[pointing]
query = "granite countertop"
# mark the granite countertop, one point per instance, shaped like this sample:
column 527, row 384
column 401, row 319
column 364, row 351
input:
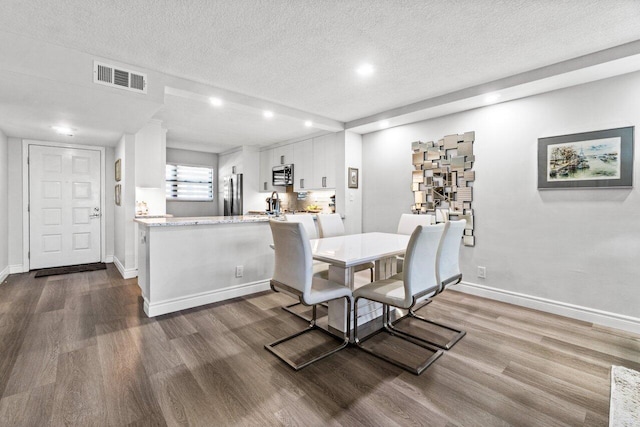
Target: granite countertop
column 202, row 220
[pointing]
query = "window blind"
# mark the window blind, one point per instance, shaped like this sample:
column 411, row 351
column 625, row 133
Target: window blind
column 189, row 183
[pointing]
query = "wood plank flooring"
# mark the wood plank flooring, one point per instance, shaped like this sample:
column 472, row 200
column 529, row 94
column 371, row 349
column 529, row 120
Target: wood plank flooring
column 78, row 350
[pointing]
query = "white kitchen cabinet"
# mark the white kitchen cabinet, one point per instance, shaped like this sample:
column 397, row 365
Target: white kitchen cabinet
column 303, row 165
column 266, row 166
column 324, row 162
column 283, row 155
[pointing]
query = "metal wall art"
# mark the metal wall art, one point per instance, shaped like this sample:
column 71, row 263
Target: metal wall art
column 443, row 180
column 599, row 159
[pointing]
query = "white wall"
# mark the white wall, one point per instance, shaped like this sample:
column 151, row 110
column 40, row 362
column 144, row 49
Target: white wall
column 194, row 158
column 4, row 210
column 560, row 247
column 352, row 196
column 15, row 205
column 125, row 231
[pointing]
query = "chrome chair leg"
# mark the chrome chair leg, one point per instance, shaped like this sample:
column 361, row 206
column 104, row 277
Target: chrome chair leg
column 411, row 314
column 312, row 326
column 424, row 304
column 416, row 370
column 289, row 309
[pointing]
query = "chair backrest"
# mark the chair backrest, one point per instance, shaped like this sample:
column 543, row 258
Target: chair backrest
column 409, row 222
column 420, row 273
column 307, row 221
column 449, row 261
column 330, row 225
column 294, row 260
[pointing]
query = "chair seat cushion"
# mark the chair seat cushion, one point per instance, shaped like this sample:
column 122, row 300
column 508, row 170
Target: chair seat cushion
column 326, row 290
column 388, row 291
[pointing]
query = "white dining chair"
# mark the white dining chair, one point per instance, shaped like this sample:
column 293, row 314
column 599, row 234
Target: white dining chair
column 294, row 274
column 331, row 225
column 419, row 278
column 406, row 225
column 320, row 269
column 307, row 221
column 449, row 274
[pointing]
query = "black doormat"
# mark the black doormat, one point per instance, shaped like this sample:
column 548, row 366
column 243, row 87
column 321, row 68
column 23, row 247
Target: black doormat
column 71, row 269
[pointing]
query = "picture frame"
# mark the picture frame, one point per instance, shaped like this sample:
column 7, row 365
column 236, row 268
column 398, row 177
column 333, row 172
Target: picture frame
column 353, row 178
column 118, row 194
column 598, row 159
column 118, row 170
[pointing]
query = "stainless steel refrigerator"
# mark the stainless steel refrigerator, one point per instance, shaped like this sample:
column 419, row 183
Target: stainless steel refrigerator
column 233, row 194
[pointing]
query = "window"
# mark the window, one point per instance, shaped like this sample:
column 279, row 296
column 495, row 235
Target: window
column 192, row 183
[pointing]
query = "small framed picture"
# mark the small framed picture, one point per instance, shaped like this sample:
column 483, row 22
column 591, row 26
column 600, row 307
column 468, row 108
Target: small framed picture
column 353, row 178
column 118, row 170
column 118, row 194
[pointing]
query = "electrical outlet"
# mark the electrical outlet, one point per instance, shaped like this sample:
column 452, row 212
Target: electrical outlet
column 482, row 272
column 239, row 270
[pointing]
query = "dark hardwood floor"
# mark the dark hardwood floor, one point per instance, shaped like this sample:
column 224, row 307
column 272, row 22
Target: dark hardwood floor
column 78, row 350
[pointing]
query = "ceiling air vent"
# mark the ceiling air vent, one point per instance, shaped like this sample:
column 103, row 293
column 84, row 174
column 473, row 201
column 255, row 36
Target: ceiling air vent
column 109, row 75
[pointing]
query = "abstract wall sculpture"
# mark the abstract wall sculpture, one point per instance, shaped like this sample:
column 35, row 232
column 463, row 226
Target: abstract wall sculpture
column 443, row 180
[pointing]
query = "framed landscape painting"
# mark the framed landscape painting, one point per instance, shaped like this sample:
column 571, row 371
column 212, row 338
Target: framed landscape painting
column 599, row 159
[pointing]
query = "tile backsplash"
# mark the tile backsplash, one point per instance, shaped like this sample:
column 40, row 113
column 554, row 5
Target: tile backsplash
column 300, row 201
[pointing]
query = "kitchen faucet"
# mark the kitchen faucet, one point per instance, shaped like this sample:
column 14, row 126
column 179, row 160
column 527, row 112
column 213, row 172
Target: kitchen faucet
column 274, row 205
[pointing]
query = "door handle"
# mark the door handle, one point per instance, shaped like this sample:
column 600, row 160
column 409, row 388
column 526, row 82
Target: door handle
column 95, row 215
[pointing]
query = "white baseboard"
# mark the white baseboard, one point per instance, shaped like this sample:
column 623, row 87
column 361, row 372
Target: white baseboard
column 605, row 318
column 16, row 268
column 108, row 259
column 196, row 300
column 4, row 273
column 126, row 274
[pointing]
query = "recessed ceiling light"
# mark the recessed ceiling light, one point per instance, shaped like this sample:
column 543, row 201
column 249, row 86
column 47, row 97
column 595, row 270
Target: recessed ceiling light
column 384, row 124
column 216, row 102
column 268, row 114
column 308, row 123
column 492, row 97
column 63, row 130
column 365, row 70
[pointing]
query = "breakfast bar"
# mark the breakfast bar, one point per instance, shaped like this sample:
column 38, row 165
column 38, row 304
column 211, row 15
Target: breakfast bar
column 189, row 262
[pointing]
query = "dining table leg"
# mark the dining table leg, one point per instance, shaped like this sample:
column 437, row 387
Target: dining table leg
column 343, row 276
column 367, row 310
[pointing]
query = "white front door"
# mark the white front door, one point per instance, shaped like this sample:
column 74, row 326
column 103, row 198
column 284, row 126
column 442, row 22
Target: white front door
column 64, row 206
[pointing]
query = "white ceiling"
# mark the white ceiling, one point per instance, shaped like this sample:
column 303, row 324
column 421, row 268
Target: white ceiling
column 298, row 56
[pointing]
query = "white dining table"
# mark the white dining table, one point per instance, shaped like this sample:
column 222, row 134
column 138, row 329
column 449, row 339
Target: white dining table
column 343, row 253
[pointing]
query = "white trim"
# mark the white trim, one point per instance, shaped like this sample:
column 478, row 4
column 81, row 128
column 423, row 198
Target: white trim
column 126, row 274
column 4, row 273
column 16, row 268
column 25, row 194
column 108, row 259
column 613, row 320
column 208, row 297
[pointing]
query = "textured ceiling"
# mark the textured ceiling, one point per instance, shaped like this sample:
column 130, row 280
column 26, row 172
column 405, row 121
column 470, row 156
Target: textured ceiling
column 303, row 53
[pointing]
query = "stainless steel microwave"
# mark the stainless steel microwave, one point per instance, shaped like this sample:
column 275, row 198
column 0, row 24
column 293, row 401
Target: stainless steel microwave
column 282, row 175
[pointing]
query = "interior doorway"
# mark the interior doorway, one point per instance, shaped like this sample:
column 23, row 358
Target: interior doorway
column 64, row 222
